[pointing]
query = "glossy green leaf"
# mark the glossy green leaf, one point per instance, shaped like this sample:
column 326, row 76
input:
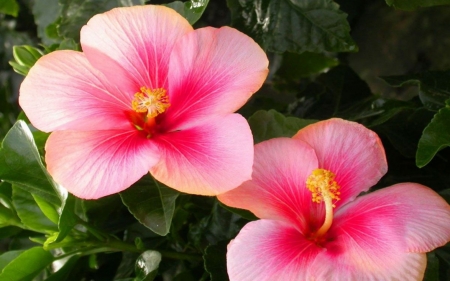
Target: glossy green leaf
column 29, row 212
column 414, row 4
column 295, row 66
column 435, row 137
column 27, row 265
column 8, row 215
column 67, row 218
column 66, row 271
column 434, row 86
column 76, row 13
column 151, row 203
column 146, row 266
column 8, row 257
column 20, row 163
column 9, row 7
column 294, row 25
column 26, row 55
column 271, row 124
column 191, row 10
column 215, row 261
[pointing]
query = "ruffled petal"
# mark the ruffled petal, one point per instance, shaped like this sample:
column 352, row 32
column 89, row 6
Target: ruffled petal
column 278, row 186
column 63, row 92
column 94, row 164
column 208, row 159
column 131, row 46
column 408, row 213
column 270, row 250
column 351, row 151
column 213, row 71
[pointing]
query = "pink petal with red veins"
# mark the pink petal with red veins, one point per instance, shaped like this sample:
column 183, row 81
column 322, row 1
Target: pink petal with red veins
column 63, row 92
column 349, row 150
column 132, row 46
column 278, row 186
column 94, row 164
column 409, row 214
column 267, row 250
column 213, row 71
column 358, row 264
column 209, row 159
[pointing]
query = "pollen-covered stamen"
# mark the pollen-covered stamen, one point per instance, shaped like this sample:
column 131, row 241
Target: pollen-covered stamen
column 324, row 188
column 152, row 101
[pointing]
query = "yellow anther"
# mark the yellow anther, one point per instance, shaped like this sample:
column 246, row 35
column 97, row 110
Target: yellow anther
column 321, row 183
column 324, row 188
column 152, row 101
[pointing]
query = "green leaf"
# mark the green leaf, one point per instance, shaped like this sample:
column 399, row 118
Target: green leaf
column 8, row 257
column 190, row 10
column 76, row 13
column 434, row 86
column 410, row 5
column 45, row 13
column 20, row 163
column 294, row 25
column 215, row 261
column 26, row 55
column 271, row 124
column 29, row 212
column 151, row 203
column 66, row 271
column 27, row 265
column 296, row 66
column 432, row 270
column 435, row 137
column 146, row 266
column 9, row 7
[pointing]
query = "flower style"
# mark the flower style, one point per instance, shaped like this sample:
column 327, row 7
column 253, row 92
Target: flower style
column 313, row 228
column 148, row 93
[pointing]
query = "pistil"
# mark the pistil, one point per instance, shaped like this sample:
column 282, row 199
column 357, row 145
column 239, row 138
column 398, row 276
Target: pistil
column 324, row 189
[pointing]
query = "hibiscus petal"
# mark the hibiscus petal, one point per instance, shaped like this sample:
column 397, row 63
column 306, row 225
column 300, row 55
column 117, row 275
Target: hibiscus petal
column 213, row 71
column 359, row 264
column 99, row 163
column 209, row 159
column 270, row 250
column 349, row 150
column 278, row 186
column 63, row 92
column 131, row 46
column 408, row 212
column 384, row 235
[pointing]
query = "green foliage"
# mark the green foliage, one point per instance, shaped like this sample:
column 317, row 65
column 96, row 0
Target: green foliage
column 434, row 86
column 294, row 26
column 191, row 10
column 9, row 7
column 152, row 203
column 435, row 137
column 414, row 4
column 26, row 265
column 147, row 265
column 25, row 57
column 271, row 124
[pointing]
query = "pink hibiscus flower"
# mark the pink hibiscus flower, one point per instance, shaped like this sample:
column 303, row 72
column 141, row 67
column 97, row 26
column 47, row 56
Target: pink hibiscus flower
column 313, row 228
column 148, row 93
